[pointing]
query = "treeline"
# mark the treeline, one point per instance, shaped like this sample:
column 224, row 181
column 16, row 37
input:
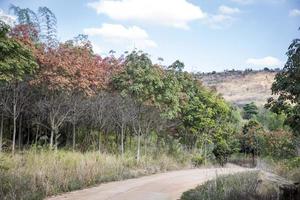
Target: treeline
column 63, row 95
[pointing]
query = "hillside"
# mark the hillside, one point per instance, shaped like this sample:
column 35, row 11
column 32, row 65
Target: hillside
column 241, row 87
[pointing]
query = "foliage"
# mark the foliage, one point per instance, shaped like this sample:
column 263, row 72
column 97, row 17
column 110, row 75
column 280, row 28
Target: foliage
column 279, row 144
column 250, row 110
column 230, row 187
column 73, row 68
column 140, row 79
column 197, row 160
column 251, row 138
column 286, row 85
column 270, row 120
column 222, row 151
column 16, row 61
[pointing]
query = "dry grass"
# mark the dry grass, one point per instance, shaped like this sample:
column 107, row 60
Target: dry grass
column 34, row 175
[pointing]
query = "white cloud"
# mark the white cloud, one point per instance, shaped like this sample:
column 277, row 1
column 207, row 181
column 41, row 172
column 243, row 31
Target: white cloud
column 219, row 21
column 268, row 61
column 294, row 13
column 8, row 19
column 174, row 13
column 228, row 10
column 223, row 18
column 248, row 2
column 131, row 36
column 244, row 2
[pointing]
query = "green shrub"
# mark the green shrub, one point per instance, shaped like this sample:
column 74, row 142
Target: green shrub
column 221, row 152
column 197, row 160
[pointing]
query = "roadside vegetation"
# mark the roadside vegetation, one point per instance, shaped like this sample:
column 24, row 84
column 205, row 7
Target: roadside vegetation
column 35, row 174
column 70, row 118
column 269, row 141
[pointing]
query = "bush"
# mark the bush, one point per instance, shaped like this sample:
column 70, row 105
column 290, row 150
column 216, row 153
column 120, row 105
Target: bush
column 279, row 144
column 229, row 187
column 221, row 152
column 197, row 160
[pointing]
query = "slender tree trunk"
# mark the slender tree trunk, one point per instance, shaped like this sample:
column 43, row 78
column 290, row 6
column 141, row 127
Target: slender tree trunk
column 37, row 133
column 20, row 133
column 14, row 127
column 1, row 131
column 74, row 136
column 28, row 136
column 122, row 139
column 99, row 143
column 51, row 138
column 139, row 146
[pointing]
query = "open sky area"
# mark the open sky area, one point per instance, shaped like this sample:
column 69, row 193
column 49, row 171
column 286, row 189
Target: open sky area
column 207, row 35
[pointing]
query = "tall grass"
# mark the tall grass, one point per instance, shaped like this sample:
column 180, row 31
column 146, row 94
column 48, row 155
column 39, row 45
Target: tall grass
column 36, row 174
column 242, row 186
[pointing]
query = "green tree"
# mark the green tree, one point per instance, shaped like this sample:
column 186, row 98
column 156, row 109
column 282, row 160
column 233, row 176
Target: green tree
column 142, row 81
column 251, row 138
column 16, row 62
column 250, row 110
column 286, row 85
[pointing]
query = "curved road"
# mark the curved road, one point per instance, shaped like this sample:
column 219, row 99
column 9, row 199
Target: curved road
column 165, row 186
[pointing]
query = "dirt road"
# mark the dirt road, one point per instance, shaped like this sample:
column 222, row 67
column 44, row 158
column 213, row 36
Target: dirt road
column 165, row 186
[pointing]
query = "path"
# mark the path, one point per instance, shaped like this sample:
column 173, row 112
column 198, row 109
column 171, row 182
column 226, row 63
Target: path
column 165, row 186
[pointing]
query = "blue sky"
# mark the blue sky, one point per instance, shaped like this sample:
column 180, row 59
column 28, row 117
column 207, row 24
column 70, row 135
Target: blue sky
column 206, row 35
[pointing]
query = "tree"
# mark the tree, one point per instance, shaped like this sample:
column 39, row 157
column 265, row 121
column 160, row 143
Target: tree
column 177, row 66
column 221, row 151
column 16, row 62
column 48, row 27
column 251, row 139
column 57, row 107
column 141, row 81
column 279, row 144
column 25, row 16
column 286, row 85
column 250, row 110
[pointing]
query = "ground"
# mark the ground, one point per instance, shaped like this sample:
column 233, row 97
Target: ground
column 165, row 186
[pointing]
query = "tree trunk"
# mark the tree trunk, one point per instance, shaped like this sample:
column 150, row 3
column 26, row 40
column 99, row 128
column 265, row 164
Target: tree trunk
column 74, row 136
column 14, row 127
column 122, row 139
column 20, row 133
column 28, row 136
column 1, row 131
column 138, row 147
column 51, row 138
column 56, row 139
column 99, row 143
column 37, row 133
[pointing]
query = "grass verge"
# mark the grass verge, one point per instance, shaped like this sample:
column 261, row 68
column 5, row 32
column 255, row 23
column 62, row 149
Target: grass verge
column 34, row 175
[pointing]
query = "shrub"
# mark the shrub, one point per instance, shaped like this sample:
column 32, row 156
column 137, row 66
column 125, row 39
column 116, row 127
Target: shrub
column 229, row 187
column 279, row 144
column 197, row 160
column 221, row 152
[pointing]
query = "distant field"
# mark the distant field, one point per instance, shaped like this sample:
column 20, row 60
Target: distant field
column 241, row 87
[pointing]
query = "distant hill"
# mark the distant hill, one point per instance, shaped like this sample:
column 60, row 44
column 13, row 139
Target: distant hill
column 241, row 87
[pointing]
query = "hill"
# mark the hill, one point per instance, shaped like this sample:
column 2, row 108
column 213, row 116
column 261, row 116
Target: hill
column 241, row 87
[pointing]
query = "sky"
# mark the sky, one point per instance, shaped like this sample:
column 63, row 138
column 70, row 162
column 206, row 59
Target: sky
column 207, row 35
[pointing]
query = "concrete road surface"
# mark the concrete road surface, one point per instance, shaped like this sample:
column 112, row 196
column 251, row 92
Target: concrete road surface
column 165, row 186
